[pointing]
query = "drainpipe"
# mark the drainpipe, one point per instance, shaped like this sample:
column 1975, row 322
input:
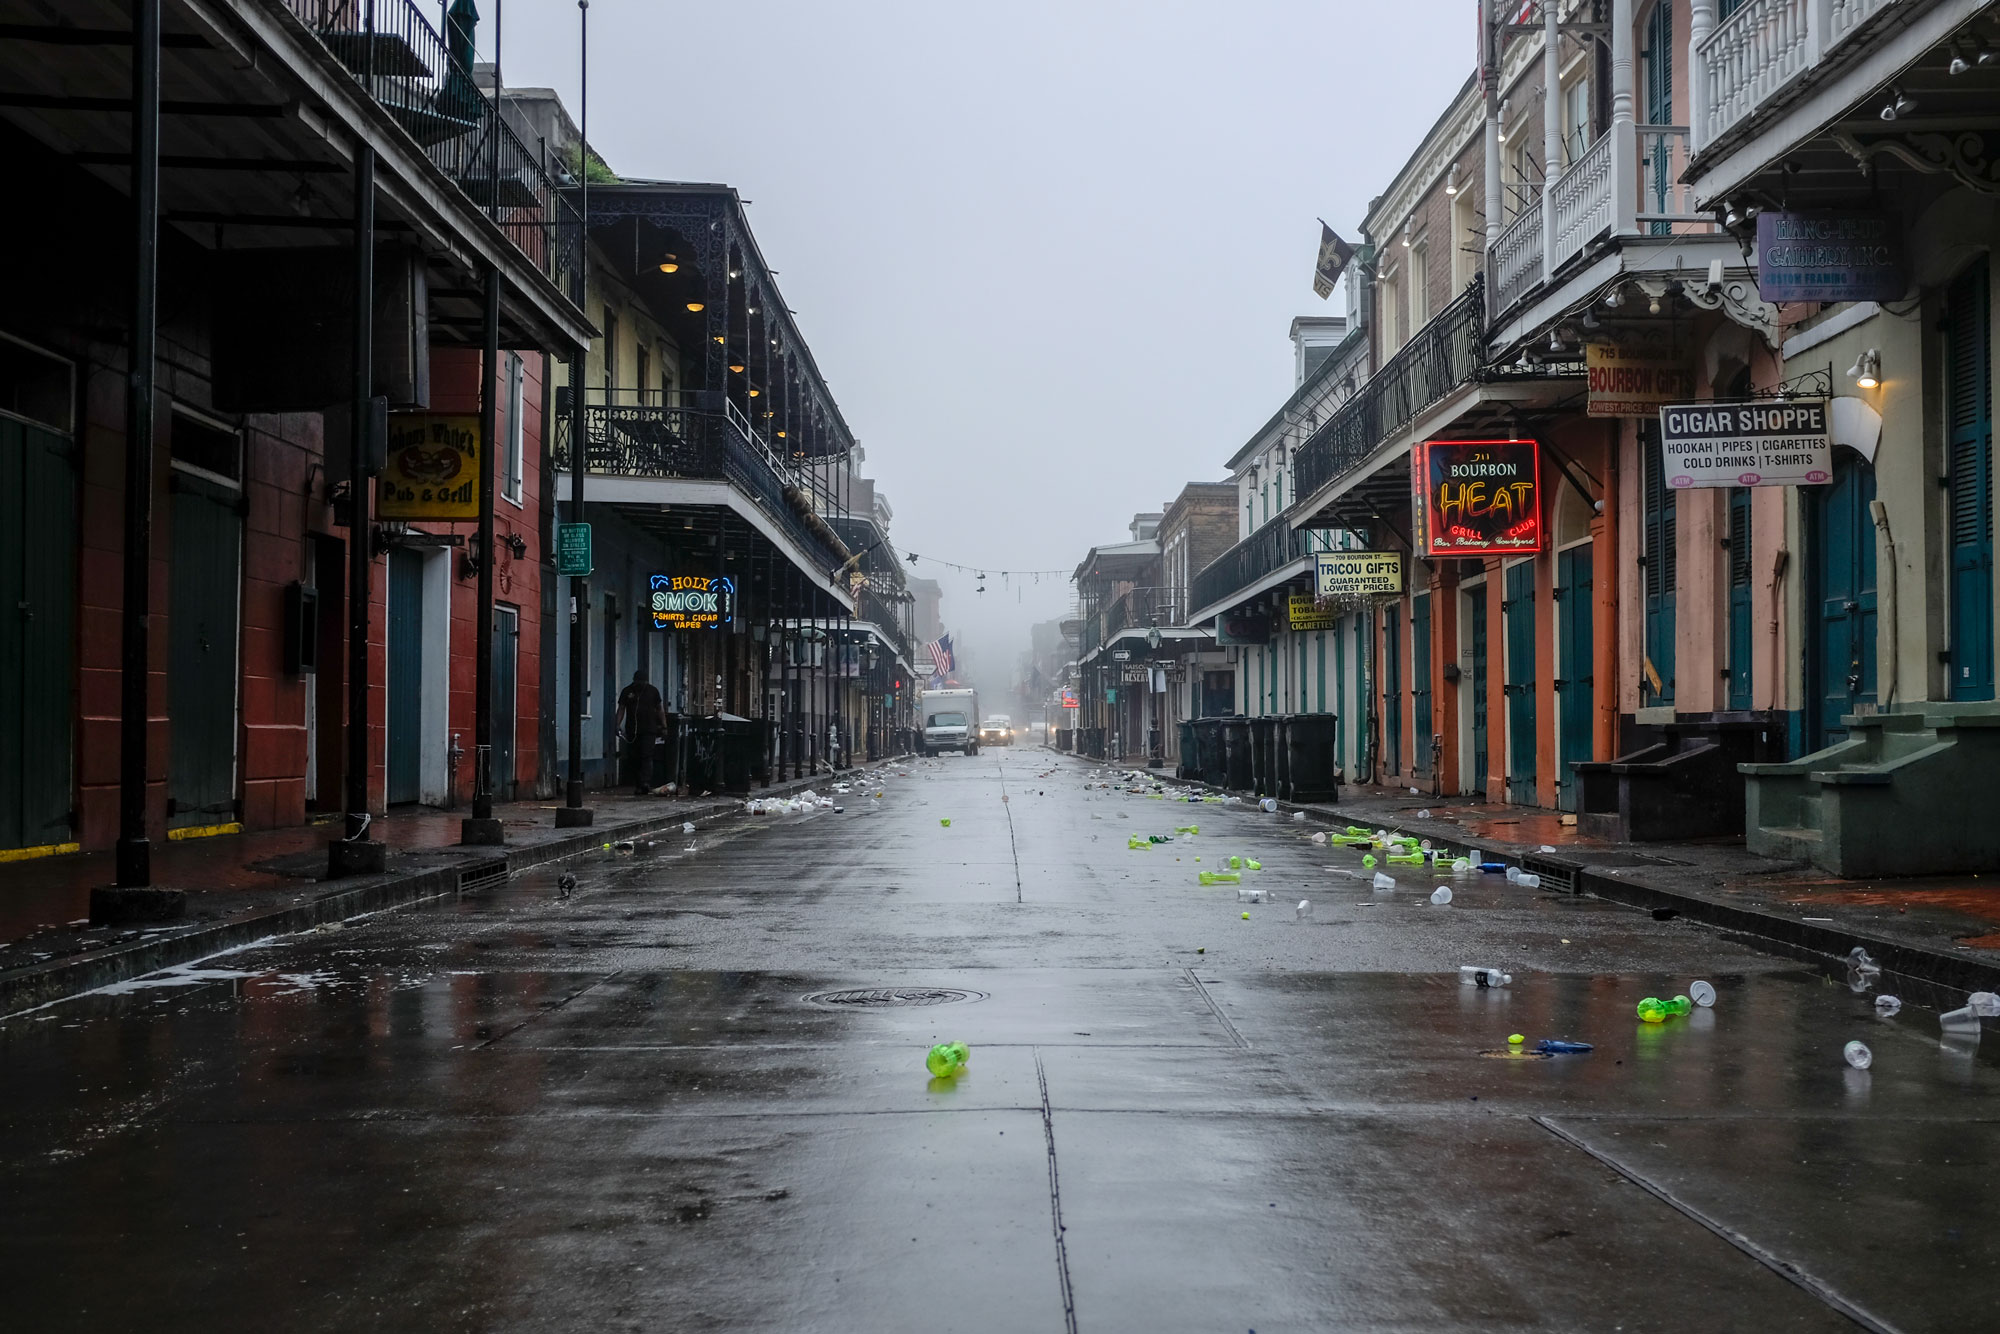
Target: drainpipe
column 1880, row 513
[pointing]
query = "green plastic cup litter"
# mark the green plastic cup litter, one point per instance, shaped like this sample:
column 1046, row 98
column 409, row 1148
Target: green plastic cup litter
column 1187, row 829
column 1653, row 1010
column 1368, row 860
column 1405, row 859
column 945, row 822
column 1138, row 844
column 1221, row 878
column 1235, row 863
column 947, row 1059
column 1251, row 863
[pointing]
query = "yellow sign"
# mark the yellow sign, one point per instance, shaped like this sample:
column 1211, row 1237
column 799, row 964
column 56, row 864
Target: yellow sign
column 433, row 468
column 1307, row 614
column 1358, row 573
column 1624, row 382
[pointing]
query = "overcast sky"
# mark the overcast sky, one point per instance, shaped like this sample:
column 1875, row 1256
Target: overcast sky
column 1046, row 251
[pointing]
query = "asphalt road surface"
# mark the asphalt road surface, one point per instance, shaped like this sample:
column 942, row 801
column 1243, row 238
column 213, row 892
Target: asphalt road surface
column 625, row 1110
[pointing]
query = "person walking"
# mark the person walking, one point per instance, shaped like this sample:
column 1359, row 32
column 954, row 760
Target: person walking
column 640, row 723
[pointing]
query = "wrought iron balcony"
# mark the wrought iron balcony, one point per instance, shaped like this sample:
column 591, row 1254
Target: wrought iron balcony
column 1763, row 50
column 413, row 73
column 683, row 443
column 880, row 612
column 1444, row 355
column 1266, row 551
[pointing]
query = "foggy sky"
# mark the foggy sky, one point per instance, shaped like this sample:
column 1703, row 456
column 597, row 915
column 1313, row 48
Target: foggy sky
column 1045, row 252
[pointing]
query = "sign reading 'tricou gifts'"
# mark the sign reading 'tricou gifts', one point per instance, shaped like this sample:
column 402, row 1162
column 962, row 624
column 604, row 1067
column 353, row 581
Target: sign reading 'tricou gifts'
column 1759, row 442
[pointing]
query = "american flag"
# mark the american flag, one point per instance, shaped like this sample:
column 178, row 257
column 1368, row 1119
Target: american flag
column 940, row 651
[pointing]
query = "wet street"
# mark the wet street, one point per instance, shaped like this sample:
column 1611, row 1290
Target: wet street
column 691, row 1095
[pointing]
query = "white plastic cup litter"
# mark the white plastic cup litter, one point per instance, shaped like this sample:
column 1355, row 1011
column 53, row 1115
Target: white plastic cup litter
column 1984, row 1004
column 1887, row 1006
column 1513, row 875
column 1858, row 1055
column 1424, row 814
column 1962, row 1021
column 1320, row 838
column 1384, row 884
column 1529, row 880
column 1701, row 993
column 1298, row 817
column 1441, row 895
column 1304, row 910
column 687, row 827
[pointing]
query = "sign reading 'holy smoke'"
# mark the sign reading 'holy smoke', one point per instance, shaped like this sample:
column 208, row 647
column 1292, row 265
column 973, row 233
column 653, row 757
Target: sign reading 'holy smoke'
column 1765, row 442
column 692, row 601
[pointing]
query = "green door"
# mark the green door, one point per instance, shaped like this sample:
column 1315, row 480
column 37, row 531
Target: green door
column 1518, row 606
column 37, row 633
column 1840, row 650
column 406, row 676
column 1340, row 699
column 203, row 603
column 1420, row 682
column 1478, row 638
column 1969, row 421
column 1739, row 670
column 506, row 659
column 1658, row 557
column 1392, row 688
column 1576, row 691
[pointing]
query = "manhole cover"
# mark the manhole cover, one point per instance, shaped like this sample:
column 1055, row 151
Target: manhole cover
column 875, row 998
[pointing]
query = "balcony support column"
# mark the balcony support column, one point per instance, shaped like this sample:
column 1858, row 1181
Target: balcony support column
column 1551, row 129
column 1624, row 138
column 482, row 829
column 1701, row 22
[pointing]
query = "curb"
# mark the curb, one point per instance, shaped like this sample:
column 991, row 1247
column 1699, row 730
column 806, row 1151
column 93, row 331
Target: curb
column 58, row 979
column 1949, row 972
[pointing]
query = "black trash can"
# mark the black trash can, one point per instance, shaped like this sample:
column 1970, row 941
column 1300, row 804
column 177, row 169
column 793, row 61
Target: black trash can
column 1236, row 754
column 1185, row 765
column 1309, row 757
column 1281, row 764
column 1211, row 763
column 1263, row 751
column 1065, row 739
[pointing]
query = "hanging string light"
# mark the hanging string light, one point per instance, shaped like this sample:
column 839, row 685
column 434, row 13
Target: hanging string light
column 912, row 557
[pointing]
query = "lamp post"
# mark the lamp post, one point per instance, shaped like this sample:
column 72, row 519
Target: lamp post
column 573, row 813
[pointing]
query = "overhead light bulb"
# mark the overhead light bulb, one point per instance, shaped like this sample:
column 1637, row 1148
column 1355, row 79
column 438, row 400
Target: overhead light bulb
column 1653, row 306
column 1451, row 180
column 718, row 338
column 736, row 367
column 755, row 392
column 781, row 435
column 1959, row 65
column 1590, row 320
column 697, row 306
column 1732, row 217
column 1555, row 340
column 1614, row 298
column 671, row 264
column 736, row 273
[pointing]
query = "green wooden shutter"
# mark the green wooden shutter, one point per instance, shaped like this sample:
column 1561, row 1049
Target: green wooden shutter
column 1659, row 553
column 1739, row 598
column 1969, row 427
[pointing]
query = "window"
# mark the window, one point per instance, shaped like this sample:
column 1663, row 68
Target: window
column 1390, row 302
column 1576, row 119
column 1420, row 282
column 610, row 355
column 511, row 459
column 1467, row 241
column 1522, row 176
column 642, row 375
column 207, row 446
column 666, row 377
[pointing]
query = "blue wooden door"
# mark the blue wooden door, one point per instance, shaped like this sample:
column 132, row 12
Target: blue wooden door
column 406, row 676
column 1969, row 422
column 1840, row 651
column 1576, row 690
column 1518, row 607
column 1659, row 561
column 1479, row 728
column 1740, row 667
column 1392, row 688
column 37, row 634
column 1421, row 723
column 202, row 604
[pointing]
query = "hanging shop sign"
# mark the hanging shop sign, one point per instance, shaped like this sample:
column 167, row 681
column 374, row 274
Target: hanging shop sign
column 1242, row 630
column 1357, row 573
column 1477, row 497
column 1829, row 257
column 1134, row 673
column 432, row 469
column 1068, row 698
column 1625, row 382
column 1760, row 442
column 692, row 601
column 1306, row 612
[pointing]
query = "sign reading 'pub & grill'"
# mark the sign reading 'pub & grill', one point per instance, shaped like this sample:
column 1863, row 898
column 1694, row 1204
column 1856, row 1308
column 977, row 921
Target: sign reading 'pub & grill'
column 432, row 470
column 1478, row 497
column 692, row 601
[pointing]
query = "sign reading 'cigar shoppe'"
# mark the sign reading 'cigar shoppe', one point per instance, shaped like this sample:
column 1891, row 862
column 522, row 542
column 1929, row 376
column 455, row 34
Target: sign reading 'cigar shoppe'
column 1477, row 497
column 1761, row 442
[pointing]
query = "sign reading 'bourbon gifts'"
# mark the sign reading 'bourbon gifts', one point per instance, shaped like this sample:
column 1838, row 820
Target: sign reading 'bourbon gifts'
column 1477, row 497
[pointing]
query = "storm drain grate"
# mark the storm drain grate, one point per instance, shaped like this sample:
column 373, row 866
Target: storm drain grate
column 876, row 998
column 486, row 875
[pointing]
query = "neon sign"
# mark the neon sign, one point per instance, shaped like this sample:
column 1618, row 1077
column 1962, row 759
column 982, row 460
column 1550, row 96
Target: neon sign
column 692, row 601
column 1477, row 497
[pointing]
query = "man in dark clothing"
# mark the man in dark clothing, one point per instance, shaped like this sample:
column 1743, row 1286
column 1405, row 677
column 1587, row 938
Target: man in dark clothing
column 639, row 721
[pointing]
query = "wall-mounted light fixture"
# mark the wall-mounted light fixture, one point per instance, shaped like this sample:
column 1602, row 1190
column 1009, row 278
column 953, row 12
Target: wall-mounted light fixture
column 1866, row 372
column 1451, row 180
column 1900, row 105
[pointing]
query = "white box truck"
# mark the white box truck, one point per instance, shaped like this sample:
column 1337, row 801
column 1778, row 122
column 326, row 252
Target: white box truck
column 951, row 720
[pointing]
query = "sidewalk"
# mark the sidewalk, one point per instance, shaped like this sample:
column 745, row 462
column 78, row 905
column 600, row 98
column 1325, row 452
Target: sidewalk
column 1938, row 930
column 243, row 887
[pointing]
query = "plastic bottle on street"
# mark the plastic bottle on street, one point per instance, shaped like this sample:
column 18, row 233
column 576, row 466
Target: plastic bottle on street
column 1470, row 975
column 1858, row 1055
column 1249, row 896
column 1887, row 1006
column 947, row 1059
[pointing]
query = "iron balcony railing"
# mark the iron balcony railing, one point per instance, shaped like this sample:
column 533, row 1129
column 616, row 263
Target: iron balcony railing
column 879, row 612
column 1269, row 549
column 1443, row 356
column 1090, row 635
column 425, row 83
column 691, row 444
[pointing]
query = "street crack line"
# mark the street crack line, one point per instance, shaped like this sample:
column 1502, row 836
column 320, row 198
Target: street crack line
column 501, row 1037
column 1055, row 1202
column 1783, row 1268
column 1201, row 989
column 1008, row 807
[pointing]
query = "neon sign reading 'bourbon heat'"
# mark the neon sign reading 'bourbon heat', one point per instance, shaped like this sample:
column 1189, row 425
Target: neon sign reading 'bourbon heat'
column 1477, row 497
